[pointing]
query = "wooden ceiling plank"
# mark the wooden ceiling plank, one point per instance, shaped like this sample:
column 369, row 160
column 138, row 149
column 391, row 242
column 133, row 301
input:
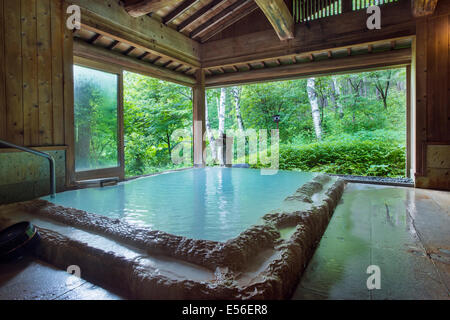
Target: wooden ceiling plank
column 197, row 15
column 128, row 51
column 113, row 45
column 95, row 38
column 218, row 18
column 243, row 12
column 143, row 7
column 279, row 17
column 179, row 10
column 142, row 56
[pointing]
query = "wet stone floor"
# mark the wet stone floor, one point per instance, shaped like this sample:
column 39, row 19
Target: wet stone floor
column 31, row 279
column 403, row 231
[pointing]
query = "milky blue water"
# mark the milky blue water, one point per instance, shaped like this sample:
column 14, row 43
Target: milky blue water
column 211, row 203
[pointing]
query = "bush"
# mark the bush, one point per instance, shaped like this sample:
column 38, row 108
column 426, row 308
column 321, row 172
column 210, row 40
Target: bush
column 350, row 156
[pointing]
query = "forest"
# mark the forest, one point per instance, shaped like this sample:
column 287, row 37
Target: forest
column 344, row 124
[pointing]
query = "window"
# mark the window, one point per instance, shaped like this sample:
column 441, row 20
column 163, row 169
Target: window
column 96, row 115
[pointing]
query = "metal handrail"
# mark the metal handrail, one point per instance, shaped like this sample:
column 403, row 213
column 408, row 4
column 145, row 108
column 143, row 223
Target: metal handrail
column 41, row 154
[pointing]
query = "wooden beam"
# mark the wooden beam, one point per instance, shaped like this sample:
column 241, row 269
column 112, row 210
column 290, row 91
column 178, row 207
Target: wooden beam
column 279, row 17
column 333, row 32
column 128, row 51
column 142, row 56
column 113, row 45
column 87, row 51
column 95, row 38
column 323, row 67
column 421, row 8
column 179, row 10
column 199, row 123
column 244, row 11
column 209, row 7
column 218, row 18
column 145, row 33
column 139, row 8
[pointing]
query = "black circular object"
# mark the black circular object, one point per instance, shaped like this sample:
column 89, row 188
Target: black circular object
column 17, row 239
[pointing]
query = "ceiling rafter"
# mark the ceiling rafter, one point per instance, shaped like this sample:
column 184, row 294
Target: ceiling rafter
column 221, row 16
column 137, row 8
column 179, row 10
column 243, row 12
column 197, row 15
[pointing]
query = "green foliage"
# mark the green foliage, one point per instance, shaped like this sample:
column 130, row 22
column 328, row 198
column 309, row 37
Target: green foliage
column 153, row 109
column 362, row 118
column 350, row 156
column 95, row 112
column 363, row 122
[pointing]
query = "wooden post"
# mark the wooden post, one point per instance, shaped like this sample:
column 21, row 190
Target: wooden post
column 69, row 118
column 199, row 124
column 228, row 151
column 408, row 121
column 346, row 6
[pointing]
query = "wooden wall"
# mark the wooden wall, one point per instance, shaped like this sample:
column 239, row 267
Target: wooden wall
column 33, row 43
column 433, row 99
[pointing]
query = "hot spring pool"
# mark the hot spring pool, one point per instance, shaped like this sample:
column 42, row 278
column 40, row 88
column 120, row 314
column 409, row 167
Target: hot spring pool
column 209, row 203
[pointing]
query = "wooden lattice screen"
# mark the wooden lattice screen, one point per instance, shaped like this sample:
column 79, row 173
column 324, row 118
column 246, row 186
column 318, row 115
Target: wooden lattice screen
column 306, row 10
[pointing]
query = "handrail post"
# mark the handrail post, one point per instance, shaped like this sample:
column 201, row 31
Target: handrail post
column 40, row 154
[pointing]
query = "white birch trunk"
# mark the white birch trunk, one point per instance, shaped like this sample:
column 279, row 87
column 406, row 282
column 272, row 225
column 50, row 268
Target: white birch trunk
column 311, row 84
column 336, row 93
column 212, row 141
column 221, row 114
column 236, row 91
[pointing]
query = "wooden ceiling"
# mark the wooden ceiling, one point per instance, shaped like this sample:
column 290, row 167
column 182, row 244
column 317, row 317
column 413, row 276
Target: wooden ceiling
column 377, row 54
column 256, row 69
column 203, row 19
column 119, row 47
column 197, row 19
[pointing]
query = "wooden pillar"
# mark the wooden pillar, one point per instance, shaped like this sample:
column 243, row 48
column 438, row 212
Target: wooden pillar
column 199, row 125
column 69, row 117
column 346, row 5
column 420, row 128
column 408, row 121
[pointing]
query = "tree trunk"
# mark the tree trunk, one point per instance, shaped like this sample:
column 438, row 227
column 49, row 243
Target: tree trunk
column 236, row 92
column 221, row 114
column 336, row 92
column 168, row 144
column 212, row 141
column 312, row 96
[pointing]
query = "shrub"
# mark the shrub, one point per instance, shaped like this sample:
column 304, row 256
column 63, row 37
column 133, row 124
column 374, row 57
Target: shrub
column 350, row 156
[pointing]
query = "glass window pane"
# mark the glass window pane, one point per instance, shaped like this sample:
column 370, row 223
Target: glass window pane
column 95, row 96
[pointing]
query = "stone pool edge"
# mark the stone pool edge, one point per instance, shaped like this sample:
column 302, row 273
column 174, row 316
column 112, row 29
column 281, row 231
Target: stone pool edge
column 276, row 281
